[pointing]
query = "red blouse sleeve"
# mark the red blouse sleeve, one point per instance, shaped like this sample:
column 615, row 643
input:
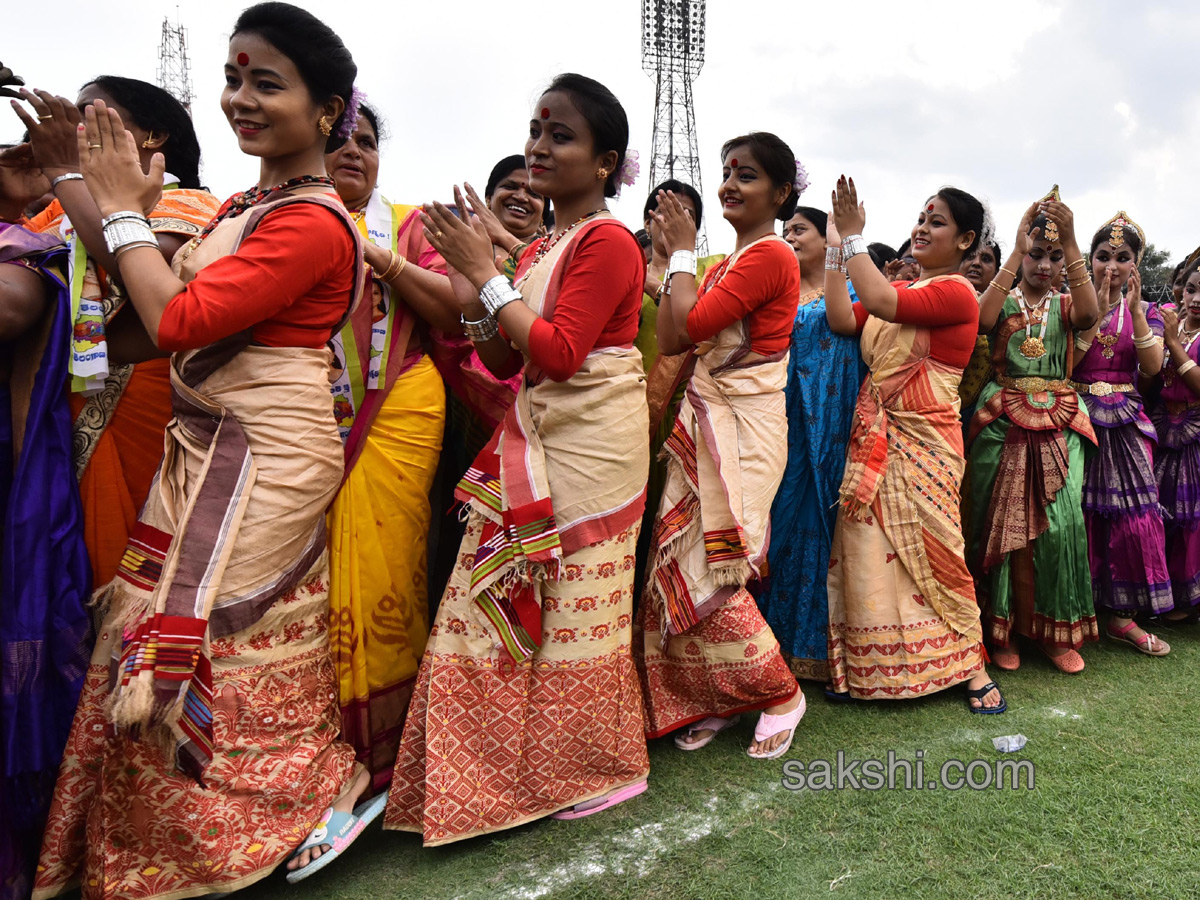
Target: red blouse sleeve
column 292, row 251
column 605, row 272
column 762, row 274
column 948, row 302
column 860, row 316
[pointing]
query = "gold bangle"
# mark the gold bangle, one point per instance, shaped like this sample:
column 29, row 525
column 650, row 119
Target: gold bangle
column 1080, row 281
column 998, row 286
column 1007, row 272
column 517, row 250
column 395, row 266
column 1078, row 262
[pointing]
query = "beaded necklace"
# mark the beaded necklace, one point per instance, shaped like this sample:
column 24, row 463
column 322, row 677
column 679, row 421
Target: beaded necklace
column 1170, row 368
column 548, row 244
column 1033, row 346
column 250, row 198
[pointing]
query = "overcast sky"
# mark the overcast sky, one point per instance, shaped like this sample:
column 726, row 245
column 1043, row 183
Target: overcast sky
column 1002, row 99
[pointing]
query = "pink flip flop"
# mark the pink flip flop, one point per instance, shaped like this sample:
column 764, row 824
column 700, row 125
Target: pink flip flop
column 769, row 725
column 605, row 801
column 715, row 724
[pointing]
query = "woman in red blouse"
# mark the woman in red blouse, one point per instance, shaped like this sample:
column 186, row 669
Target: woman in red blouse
column 217, row 740
column 706, row 653
column 903, row 621
column 527, row 701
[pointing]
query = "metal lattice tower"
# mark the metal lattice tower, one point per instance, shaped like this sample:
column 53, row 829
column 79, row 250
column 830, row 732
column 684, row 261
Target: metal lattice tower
column 174, row 70
column 672, row 55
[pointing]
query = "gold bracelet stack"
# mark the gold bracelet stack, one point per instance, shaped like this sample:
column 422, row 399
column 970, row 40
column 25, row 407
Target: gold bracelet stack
column 1072, row 280
column 395, row 266
column 998, row 286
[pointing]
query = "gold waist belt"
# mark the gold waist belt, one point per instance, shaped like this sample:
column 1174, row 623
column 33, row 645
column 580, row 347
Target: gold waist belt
column 1032, row 384
column 1102, row 388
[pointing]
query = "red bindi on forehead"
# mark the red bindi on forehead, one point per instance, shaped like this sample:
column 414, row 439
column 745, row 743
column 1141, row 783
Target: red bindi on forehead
column 545, row 112
column 733, row 163
column 929, row 208
column 243, row 59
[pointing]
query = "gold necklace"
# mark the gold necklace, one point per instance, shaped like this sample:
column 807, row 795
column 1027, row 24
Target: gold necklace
column 1109, row 341
column 1033, row 347
column 809, row 297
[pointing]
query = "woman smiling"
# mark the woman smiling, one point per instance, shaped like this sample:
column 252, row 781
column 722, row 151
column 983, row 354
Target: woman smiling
column 903, row 621
column 390, row 404
column 207, row 725
column 706, row 654
column 527, row 701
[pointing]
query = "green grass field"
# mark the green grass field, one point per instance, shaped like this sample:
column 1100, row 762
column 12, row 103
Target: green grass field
column 1113, row 814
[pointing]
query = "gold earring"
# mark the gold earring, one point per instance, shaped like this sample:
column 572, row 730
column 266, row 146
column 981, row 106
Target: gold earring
column 149, row 141
column 601, row 174
column 323, row 124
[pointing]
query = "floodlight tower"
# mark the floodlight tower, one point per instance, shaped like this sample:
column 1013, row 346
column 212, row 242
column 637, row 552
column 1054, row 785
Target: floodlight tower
column 174, row 69
column 672, row 55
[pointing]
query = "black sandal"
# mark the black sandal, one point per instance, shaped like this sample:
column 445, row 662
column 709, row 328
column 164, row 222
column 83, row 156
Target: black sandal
column 982, row 692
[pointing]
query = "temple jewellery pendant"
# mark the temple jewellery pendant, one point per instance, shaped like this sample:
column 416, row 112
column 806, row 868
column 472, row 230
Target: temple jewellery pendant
column 1032, row 348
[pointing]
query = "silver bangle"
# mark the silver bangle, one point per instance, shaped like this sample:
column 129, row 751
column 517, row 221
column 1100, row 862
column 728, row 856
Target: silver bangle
column 1147, row 340
column 122, row 232
column 132, row 245
column 497, row 292
column 66, row 176
column 121, row 216
column 833, row 259
column 683, row 262
column 853, row 246
column 482, row 330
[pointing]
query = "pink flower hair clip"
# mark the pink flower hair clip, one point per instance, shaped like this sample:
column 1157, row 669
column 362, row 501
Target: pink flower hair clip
column 801, row 182
column 350, row 119
column 630, row 169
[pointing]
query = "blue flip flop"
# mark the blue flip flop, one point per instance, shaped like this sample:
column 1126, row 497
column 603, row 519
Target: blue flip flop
column 980, row 694
column 338, row 830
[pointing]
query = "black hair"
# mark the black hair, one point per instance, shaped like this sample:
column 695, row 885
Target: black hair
column 678, row 187
column 967, row 212
column 777, row 160
column 502, row 170
column 994, row 246
column 605, row 117
column 153, row 109
column 819, row 220
column 376, row 123
column 905, row 249
column 643, row 238
column 1177, row 271
column 324, row 63
column 1132, row 238
column 882, row 251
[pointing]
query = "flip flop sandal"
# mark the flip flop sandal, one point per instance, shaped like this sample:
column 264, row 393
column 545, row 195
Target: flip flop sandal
column 715, row 724
column 1150, row 644
column 770, row 725
column 337, row 830
column 982, row 692
column 606, row 801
